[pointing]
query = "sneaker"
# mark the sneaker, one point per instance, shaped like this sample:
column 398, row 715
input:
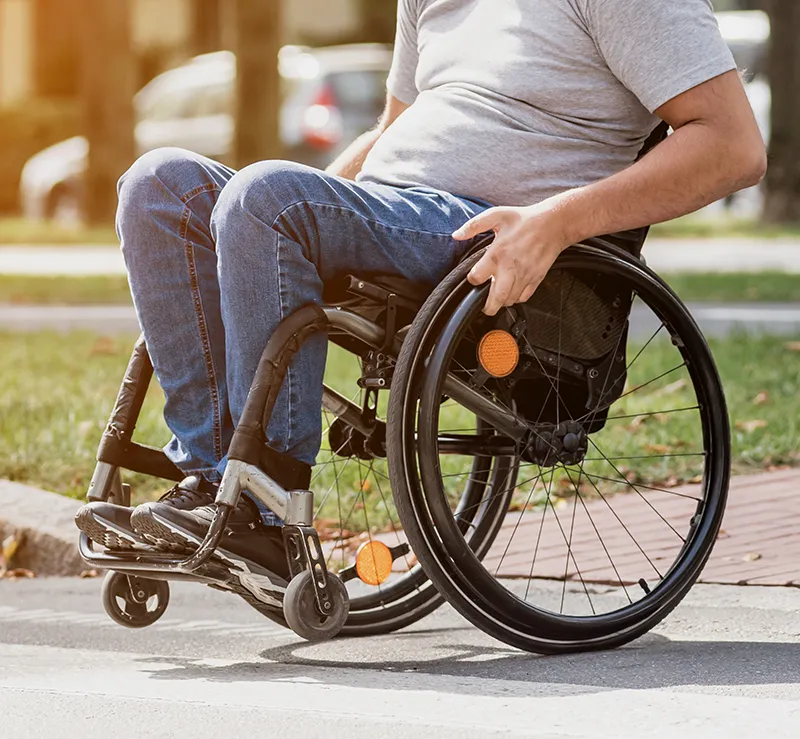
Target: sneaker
column 108, row 525
column 191, row 493
column 181, row 519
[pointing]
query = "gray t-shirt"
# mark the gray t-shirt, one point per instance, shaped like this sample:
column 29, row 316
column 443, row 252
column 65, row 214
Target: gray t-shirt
column 518, row 100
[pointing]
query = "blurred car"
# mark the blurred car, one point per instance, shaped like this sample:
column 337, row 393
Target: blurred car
column 747, row 34
column 330, row 96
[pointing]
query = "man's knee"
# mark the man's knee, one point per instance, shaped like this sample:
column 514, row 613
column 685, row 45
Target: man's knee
column 264, row 191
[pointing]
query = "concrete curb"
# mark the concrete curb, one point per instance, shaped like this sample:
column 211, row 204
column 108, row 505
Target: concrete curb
column 45, row 520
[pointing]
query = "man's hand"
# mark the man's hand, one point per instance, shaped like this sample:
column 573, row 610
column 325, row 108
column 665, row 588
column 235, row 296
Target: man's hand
column 527, row 242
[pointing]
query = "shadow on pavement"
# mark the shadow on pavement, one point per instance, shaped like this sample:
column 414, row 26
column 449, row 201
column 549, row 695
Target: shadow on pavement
column 652, row 662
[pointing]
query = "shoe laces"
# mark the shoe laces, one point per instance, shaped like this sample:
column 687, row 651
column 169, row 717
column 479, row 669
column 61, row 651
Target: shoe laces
column 193, row 497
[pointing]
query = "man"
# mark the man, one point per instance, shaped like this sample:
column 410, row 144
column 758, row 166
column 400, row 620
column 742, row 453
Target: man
column 522, row 117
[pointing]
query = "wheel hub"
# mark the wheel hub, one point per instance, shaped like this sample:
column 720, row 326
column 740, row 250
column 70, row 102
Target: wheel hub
column 550, row 444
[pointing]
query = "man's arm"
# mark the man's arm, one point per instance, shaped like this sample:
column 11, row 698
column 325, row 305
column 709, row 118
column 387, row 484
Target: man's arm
column 715, row 150
column 349, row 163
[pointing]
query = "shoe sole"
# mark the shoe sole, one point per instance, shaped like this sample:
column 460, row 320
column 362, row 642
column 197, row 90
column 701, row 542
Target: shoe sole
column 247, row 578
column 104, row 532
column 163, row 535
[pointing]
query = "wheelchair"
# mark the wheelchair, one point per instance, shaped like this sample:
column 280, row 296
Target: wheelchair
column 557, row 473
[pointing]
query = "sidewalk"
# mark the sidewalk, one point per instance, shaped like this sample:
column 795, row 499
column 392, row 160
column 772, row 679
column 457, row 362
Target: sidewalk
column 663, row 255
column 759, row 543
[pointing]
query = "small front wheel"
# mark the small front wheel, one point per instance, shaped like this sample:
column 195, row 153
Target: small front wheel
column 302, row 612
column 132, row 601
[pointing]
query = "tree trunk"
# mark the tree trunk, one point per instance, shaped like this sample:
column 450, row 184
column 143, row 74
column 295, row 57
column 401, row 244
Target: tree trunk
column 206, row 26
column 258, row 85
column 378, row 20
column 108, row 78
column 783, row 178
column 56, row 56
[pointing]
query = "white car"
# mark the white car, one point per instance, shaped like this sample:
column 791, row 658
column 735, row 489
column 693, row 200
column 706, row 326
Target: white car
column 331, row 95
column 747, row 34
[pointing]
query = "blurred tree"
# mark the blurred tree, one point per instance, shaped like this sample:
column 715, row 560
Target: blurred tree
column 378, row 20
column 258, row 25
column 206, row 26
column 56, row 57
column 107, row 88
column 783, row 178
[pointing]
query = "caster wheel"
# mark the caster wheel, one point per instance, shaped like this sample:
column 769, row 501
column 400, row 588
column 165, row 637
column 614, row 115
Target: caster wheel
column 134, row 601
column 302, row 614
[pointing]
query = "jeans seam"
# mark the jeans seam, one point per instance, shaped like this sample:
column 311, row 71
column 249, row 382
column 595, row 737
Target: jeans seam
column 288, row 442
column 199, row 190
column 353, row 211
column 202, row 326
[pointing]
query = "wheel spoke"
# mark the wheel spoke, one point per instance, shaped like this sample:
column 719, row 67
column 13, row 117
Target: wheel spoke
column 621, row 523
column 597, row 531
column 638, row 492
column 570, row 553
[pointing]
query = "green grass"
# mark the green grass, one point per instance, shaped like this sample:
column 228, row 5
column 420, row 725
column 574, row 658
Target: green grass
column 89, row 290
column 776, row 287
column 736, row 287
column 14, row 230
column 22, row 231
column 58, row 391
column 694, row 227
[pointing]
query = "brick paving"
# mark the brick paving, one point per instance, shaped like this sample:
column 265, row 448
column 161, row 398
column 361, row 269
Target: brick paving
column 759, row 543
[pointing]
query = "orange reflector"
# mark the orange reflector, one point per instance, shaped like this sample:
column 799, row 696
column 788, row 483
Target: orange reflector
column 498, row 353
column 373, row 562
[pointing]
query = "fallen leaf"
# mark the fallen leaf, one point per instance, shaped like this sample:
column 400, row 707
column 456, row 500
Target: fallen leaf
column 673, row 387
column 10, row 545
column 89, row 573
column 658, row 448
column 762, row 398
column 18, row 574
column 751, row 557
column 750, row 426
column 104, row 345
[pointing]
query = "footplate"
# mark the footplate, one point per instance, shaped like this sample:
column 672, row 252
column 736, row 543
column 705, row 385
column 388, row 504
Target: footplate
column 304, row 552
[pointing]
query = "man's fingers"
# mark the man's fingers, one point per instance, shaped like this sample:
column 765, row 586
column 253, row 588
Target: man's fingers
column 486, row 221
column 484, row 269
column 502, row 288
column 527, row 293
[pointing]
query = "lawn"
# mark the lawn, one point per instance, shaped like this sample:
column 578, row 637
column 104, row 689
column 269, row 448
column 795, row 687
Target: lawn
column 776, row 287
column 22, row 231
column 15, row 230
column 88, row 290
column 58, row 390
column 698, row 227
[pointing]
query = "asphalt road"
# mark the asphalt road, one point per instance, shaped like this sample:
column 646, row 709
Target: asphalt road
column 725, row 664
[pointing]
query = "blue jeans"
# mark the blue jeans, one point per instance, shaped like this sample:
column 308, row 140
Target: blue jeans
column 216, row 259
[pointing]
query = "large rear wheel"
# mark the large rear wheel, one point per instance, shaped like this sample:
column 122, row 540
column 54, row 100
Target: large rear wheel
column 623, row 453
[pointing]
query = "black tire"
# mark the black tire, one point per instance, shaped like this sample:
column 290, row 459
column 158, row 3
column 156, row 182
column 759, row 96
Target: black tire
column 301, row 611
column 134, row 602
column 448, row 560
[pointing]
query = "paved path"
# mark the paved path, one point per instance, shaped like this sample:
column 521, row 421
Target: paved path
column 725, row 664
column 664, row 255
column 759, row 543
column 714, row 319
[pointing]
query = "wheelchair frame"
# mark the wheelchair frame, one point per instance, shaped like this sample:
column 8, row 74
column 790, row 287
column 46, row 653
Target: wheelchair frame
column 118, row 450
column 248, row 449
